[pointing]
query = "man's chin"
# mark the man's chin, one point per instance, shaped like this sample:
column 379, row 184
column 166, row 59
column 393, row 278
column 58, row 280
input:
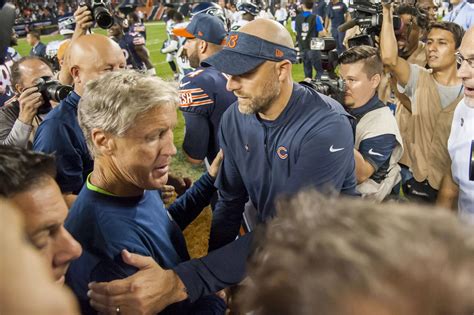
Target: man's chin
column 246, row 109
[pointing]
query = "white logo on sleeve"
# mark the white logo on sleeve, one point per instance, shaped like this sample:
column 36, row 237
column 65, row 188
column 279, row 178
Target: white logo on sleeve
column 184, row 84
column 332, row 149
column 372, row 152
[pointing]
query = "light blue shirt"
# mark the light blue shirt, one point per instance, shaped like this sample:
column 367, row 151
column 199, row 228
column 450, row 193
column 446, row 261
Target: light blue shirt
column 462, row 14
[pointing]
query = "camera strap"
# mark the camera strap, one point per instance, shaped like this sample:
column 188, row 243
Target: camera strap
column 454, row 16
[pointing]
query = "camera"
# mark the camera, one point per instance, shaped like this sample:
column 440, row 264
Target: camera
column 327, row 47
column 101, row 13
column 328, row 85
column 51, row 90
column 368, row 16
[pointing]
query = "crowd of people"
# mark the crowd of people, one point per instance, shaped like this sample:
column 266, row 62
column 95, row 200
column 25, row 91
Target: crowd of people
column 319, row 206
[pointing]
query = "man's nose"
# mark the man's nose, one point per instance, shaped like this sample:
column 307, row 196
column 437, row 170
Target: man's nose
column 232, row 84
column 67, row 249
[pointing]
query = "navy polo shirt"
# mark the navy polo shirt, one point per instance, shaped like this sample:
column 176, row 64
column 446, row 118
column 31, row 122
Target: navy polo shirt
column 376, row 150
column 204, row 99
column 60, row 134
column 309, row 145
column 336, row 12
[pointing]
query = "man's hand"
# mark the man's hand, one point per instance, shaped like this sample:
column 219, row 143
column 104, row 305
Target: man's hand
column 167, row 194
column 30, row 100
column 180, row 184
column 84, row 21
column 148, row 291
column 216, row 164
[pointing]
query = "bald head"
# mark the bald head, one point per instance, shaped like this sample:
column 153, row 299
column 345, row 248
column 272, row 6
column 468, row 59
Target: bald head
column 89, row 48
column 469, row 35
column 269, row 30
column 92, row 55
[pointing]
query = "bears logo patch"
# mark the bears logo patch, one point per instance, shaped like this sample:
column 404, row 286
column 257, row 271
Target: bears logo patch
column 282, row 152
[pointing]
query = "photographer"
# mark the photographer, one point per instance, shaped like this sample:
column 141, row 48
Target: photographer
column 378, row 144
column 309, row 26
column 433, row 97
column 20, row 117
column 412, row 49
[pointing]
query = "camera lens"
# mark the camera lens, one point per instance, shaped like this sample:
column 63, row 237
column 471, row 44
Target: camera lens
column 103, row 17
column 62, row 92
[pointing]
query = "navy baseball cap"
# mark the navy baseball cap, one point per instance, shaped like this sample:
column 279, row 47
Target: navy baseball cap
column 243, row 52
column 204, row 26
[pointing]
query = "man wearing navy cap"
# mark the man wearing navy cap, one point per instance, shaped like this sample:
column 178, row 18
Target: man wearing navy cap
column 203, row 94
column 278, row 138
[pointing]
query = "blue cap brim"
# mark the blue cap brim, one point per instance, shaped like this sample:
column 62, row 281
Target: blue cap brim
column 232, row 63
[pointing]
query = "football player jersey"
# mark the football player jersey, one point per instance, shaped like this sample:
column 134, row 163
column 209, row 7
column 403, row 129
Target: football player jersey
column 204, row 98
column 128, row 43
column 6, row 90
column 138, row 28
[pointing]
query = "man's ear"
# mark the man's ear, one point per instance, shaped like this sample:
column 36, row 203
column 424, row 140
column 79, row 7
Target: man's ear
column 375, row 80
column 75, row 71
column 103, row 142
column 283, row 70
column 202, row 46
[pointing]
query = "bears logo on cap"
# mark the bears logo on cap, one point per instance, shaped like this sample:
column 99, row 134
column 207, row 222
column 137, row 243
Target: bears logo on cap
column 278, row 53
column 232, row 42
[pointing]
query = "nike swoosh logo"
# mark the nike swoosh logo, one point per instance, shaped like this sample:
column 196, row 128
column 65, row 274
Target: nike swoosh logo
column 184, row 84
column 372, row 152
column 332, row 149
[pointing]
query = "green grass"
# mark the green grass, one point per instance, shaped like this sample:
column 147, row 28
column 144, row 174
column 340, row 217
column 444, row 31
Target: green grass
column 156, row 34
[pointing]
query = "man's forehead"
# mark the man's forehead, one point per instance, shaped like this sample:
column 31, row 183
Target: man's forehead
column 42, row 205
column 467, row 44
column 439, row 33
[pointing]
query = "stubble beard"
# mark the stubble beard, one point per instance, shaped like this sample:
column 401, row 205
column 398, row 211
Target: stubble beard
column 261, row 103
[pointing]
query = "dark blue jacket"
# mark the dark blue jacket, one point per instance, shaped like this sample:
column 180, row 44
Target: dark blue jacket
column 61, row 135
column 309, row 145
column 39, row 50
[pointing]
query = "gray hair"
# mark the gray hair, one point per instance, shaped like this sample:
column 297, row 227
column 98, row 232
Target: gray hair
column 115, row 100
column 324, row 256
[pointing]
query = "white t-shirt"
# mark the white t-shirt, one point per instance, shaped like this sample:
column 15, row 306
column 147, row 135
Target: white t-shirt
column 447, row 93
column 459, row 146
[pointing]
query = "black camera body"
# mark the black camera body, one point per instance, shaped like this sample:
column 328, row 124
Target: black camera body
column 327, row 47
column 101, row 13
column 368, row 16
column 51, row 90
column 328, row 85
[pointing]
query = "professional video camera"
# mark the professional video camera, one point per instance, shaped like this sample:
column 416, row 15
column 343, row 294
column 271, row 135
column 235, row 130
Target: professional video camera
column 327, row 47
column 368, row 16
column 101, row 13
column 51, row 90
column 330, row 86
